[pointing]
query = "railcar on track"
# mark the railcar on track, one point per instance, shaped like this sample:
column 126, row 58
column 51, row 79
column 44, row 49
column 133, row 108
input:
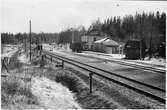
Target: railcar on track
column 76, row 47
column 133, row 49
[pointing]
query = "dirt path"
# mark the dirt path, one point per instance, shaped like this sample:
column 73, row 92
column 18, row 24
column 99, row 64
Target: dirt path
column 53, row 95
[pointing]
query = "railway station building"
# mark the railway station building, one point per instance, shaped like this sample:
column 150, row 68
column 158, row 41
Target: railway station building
column 106, row 45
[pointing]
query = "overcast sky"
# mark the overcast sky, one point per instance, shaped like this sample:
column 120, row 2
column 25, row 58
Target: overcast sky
column 56, row 15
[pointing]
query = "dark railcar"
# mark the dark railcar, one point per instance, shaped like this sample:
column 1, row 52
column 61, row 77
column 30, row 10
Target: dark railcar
column 76, row 47
column 162, row 50
column 132, row 49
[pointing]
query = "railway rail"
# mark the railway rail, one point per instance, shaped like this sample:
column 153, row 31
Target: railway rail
column 143, row 88
column 147, row 68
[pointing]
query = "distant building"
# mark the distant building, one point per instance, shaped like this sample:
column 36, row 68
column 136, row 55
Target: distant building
column 89, row 38
column 106, row 45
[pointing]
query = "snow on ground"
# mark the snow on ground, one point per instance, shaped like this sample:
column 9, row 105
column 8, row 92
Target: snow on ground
column 55, row 47
column 53, row 95
column 118, row 56
column 8, row 50
column 23, row 58
column 154, row 61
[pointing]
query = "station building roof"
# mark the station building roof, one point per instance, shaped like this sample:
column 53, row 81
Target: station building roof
column 107, row 42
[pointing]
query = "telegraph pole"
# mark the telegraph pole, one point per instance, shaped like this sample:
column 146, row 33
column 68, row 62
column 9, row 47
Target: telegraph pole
column 30, row 39
column 141, row 39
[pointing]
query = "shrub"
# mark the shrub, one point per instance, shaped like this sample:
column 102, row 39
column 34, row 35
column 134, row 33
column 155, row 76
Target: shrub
column 11, row 86
column 68, row 81
column 17, row 88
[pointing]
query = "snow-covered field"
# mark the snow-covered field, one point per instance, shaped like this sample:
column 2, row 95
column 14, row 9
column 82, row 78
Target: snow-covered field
column 8, row 50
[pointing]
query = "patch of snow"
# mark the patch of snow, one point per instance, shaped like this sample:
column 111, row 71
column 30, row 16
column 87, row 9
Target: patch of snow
column 46, row 46
column 53, row 95
column 54, row 47
column 23, row 58
column 8, row 51
column 154, row 61
column 118, row 56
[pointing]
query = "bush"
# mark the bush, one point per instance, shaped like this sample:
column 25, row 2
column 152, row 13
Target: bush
column 68, row 81
column 35, row 61
column 11, row 86
column 15, row 90
column 14, row 62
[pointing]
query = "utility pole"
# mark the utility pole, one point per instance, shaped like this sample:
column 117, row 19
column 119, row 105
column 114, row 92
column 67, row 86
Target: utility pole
column 30, row 39
column 141, row 39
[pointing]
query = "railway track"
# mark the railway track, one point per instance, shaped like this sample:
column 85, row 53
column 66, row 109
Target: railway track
column 146, row 68
column 143, row 88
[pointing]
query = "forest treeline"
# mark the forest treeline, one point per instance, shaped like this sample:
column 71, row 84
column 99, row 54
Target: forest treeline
column 150, row 27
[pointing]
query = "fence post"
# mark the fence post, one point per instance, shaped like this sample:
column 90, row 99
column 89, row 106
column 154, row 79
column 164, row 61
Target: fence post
column 42, row 57
column 42, row 61
column 90, row 81
column 46, row 58
column 51, row 59
column 63, row 64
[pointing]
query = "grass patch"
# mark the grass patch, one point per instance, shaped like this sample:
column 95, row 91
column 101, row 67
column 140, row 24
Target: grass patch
column 16, row 91
column 14, row 62
column 67, row 80
column 15, row 88
column 38, row 61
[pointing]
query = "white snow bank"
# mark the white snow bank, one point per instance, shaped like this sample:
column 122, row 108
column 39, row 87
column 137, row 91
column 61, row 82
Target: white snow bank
column 154, row 61
column 53, row 95
column 118, row 56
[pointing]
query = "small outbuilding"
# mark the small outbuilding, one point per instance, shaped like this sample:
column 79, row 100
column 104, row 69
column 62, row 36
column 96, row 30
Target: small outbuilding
column 106, row 45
